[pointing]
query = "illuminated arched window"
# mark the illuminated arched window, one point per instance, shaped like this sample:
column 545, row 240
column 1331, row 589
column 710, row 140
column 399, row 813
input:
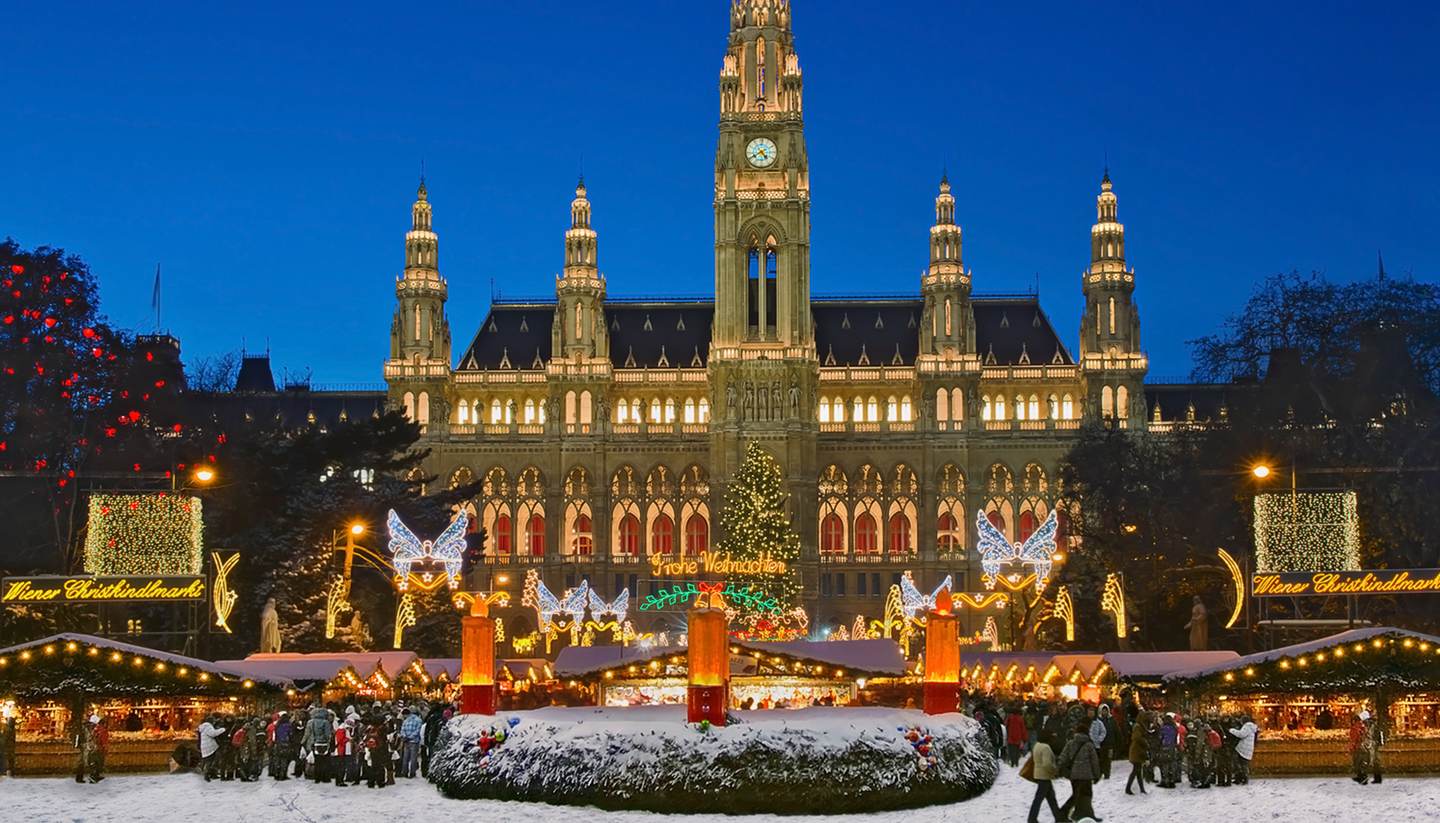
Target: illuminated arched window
column 949, row 318
column 662, row 535
column 629, row 534
column 832, row 535
column 535, row 535
column 1067, row 407
column 947, row 533
column 690, row 410
column 697, row 535
column 872, row 409
column 504, row 534
column 1112, row 316
column 899, row 534
column 1033, row 409
column 584, row 536
column 892, row 409
column 1122, row 402
column 867, row 538
column 1027, row 525
column 942, row 405
column 1107, row 402
column 824, row 410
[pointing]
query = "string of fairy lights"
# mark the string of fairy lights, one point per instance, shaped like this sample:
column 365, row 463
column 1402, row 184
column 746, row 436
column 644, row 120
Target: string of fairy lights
column 1360, row 655
column 68, row 652
column 144, row 534
column 1307, row 531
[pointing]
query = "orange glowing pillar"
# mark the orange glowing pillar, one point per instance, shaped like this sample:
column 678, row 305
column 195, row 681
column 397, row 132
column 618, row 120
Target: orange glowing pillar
column 942, row 658
column 709, row 665
column 477, row 661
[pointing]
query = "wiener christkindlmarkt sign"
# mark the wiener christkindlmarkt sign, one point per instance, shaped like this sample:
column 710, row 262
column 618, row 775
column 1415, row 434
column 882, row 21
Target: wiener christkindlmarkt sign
column 1372, row 581
column 54, row 589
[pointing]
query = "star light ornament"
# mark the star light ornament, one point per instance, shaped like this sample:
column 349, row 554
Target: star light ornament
column 408, row 551
column 1037, row 553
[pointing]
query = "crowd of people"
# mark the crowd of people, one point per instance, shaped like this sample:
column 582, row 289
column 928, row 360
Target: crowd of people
column 372, row 744
column 1078, row 742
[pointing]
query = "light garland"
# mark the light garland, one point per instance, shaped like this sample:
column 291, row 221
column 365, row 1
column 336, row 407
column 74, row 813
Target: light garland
column 404, row 617
column 144, row 534
column 991, row 634
column 1065, row 610
column 221, row 596
column 1113, row 601
column 1239, row 580
column 335, row 603
column 1307, row 531
column 680, row 594
column 858, row 630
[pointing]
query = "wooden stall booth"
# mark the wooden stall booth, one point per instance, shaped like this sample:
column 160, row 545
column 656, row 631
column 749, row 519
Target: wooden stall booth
column 1303, row 697
column 763, row 675
column 150, row 701
column 333, row 677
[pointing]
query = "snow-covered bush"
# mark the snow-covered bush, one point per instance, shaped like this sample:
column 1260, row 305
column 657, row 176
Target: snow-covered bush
column 812, row 761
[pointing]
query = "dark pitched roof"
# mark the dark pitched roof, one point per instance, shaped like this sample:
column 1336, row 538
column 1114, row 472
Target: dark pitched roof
column 1012, row 331
column 255, row 375
column 292, row 409
column 514, row 336
column 676, row 334
column 660, row 335
column 867, row 332
column 1175, row 400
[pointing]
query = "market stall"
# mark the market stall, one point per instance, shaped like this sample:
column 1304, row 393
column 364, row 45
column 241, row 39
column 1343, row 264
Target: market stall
column 764, row 675
column 524, row 683
column 338, row 676
column 1303, row 697
column 150, row 701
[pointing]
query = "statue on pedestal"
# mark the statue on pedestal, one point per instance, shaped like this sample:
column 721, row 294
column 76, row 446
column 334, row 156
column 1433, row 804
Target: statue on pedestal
column 1199, row 627
column 269, row 628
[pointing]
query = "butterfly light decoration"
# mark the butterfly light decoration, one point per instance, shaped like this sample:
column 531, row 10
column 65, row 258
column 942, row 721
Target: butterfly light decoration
column 996, row 552
column 407, row 550
column 915, row 602
column 618, row 607
column 547, row 606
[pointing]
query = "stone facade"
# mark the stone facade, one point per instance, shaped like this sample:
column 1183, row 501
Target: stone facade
column 605, row 429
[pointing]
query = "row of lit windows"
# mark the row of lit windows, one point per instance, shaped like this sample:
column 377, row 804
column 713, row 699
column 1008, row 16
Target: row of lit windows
column 662, row 537
column 530, row 411
column 1023, row 408
column 867, row 409
column 668, row 410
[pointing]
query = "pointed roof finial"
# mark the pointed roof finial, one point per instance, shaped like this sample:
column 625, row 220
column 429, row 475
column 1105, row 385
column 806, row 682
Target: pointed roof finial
column 421, row 192
column 1380, row 258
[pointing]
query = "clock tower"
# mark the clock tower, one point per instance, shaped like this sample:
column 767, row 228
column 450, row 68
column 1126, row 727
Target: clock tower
column 762, row 189
column 764, row 372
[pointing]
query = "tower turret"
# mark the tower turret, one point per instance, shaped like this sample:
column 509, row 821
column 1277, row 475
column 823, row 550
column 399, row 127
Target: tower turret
column 579, row 332
column 1110, row 331
column 419, row 366
column 949, row 322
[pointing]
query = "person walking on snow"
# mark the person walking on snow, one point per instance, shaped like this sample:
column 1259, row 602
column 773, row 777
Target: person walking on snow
column 1244, row 750
column 1102, row 734
column 1016, row 735
column 1044, row 772
column 1081, row 763
column 1138, row 751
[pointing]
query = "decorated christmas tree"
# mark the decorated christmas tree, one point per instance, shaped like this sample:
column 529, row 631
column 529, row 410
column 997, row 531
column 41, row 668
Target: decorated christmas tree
column 756, row 527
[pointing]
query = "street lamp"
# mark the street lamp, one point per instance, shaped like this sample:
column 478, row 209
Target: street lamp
column 1261, row 471
column 357, row 529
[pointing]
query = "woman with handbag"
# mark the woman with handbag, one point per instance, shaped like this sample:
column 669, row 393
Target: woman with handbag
column 1041, row 769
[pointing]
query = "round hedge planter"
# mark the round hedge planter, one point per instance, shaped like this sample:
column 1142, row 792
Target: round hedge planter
column 812, row 761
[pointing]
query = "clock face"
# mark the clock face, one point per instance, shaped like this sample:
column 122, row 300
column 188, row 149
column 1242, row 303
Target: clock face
column 761, row 153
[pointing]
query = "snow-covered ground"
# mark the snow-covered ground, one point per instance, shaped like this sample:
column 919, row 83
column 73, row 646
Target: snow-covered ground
column 183, row 798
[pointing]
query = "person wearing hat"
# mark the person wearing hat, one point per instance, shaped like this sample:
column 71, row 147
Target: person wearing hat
column 90, row 744
column 1359, row 743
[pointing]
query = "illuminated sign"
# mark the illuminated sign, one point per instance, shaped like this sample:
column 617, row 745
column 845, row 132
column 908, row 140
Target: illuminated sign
column 1380, row 581
column 720, row 563
column 61, row 589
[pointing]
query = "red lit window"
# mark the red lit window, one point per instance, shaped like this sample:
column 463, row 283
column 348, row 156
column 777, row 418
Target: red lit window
column 867, row 538
column 697, row 535
column 1027, row 525
column 899, row 534
column 948, row 530
column 832, row 534
column 630, row 535
column 535, row 535
column 503, row 534
column 662, row 535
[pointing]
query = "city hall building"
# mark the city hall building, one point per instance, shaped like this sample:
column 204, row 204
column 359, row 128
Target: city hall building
column 604, row 429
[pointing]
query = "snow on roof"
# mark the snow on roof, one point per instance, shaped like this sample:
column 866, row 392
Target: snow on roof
column 230, row 668
column 1085, row 664
column 863, row 656
column 448, row 666
column 328, row 665
column 1159, row 664
column 858, row 656
column 1351, row 636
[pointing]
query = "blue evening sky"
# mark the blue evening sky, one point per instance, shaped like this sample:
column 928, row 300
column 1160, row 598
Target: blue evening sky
column 266, row 154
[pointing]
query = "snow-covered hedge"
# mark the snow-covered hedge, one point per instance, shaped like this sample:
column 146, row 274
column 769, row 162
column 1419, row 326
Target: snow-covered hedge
column 814, row 761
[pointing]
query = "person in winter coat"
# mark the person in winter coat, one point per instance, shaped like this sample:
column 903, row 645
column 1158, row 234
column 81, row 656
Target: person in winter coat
column 1244, row 750
column 1080, row 762
column 1045, row 772
column 1169, row 752
column 212, row 732
column 434, row 721
column 281, row 753
column 377, row 754
column 1016, row 735
column 90, row 744
column 1138, row 752
column 1365, row 742
column 1102, row 734
column 411, row 730
column 318, row 742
